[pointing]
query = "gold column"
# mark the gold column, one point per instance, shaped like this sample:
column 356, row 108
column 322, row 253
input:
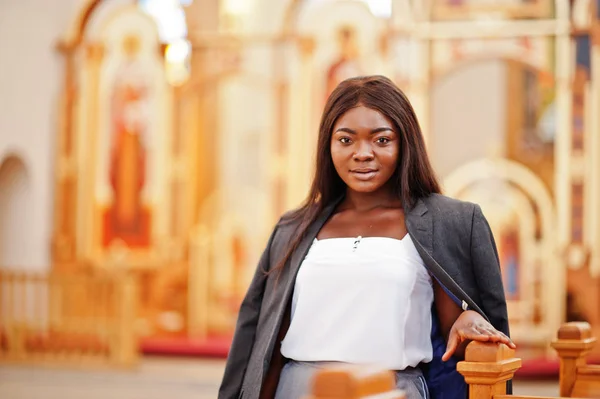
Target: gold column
column 88, row 216
column 593, row 151
column 301, row 138
column 280, row 137
column 63, row 239
column 562, row 143
column 420, row 90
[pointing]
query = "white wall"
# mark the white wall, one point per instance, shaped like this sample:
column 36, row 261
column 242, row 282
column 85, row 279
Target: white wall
column 468, row 115
column 30, row 79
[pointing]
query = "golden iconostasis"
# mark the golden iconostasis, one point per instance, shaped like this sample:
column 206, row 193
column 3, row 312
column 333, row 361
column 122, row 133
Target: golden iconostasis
column 177, row 153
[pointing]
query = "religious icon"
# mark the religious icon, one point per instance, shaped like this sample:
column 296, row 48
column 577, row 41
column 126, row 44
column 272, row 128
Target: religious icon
column 348, row 63
column 509, row 254
column 127, row 219
column 464, row 9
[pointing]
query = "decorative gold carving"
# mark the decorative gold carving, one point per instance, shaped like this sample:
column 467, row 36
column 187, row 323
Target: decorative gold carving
column 307, row 46
column 578, row 166
column 179, row 169
column 66, row 168
column 94, row 52
column 171, row 249
column 62, row 248
column 118, row 252
column 496, row 10
column 577, row 255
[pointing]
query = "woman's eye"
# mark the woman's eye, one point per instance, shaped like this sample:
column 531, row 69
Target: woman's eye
column 345, row 140
column 383, row 140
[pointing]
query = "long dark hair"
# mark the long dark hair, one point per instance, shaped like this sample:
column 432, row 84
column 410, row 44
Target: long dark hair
column 414, row 177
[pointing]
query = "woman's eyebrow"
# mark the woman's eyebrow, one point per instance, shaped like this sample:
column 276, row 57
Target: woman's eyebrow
column 373, row 131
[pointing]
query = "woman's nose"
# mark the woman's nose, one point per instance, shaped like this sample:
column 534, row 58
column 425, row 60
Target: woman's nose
column 364, row 152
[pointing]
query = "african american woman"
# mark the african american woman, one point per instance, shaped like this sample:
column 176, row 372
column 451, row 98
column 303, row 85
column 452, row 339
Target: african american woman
column 377, row 267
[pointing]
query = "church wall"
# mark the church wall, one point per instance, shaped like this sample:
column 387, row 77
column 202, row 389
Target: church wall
column 467, row 115
column 30, row 74
column 267, row 16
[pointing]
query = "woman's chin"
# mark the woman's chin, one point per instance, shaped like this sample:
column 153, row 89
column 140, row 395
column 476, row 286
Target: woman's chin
column 365, row 187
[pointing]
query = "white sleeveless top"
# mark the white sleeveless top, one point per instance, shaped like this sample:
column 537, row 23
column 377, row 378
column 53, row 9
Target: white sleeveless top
column 361, row 301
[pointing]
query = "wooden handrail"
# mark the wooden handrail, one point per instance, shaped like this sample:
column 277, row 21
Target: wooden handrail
column 589, row 370
column 58, row 318
column 354, row 382
column 574, row 342
column 527, row 397
column 487, row 367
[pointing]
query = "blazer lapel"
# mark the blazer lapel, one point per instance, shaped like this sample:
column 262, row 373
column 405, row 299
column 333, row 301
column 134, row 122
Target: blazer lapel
column 300, row 252
column 419, row 224
column 288, row 278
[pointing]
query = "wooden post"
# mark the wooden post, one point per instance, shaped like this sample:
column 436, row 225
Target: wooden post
column 487, row 367
column 125, row 348
column 574, row 343
column 354, row 382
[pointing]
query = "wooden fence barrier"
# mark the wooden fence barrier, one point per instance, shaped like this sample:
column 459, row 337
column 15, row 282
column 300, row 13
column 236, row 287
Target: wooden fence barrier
column 574, row 342
column 488, row 366
column 351, row 382
column 73, row 319
column 486, row 369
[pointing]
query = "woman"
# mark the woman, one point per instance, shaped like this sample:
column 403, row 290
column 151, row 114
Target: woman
column 375, row 268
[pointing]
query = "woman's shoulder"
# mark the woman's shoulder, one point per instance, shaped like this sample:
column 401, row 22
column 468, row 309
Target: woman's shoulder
column 448, row 210
column 290, row 219
column 287, row 225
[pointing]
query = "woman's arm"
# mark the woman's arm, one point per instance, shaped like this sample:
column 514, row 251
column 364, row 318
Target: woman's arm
column 245, row 330
column 460, row 328
column 486, row 269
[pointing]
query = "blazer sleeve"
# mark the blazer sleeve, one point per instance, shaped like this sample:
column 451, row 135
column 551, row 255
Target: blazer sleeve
column 245, row 329
column 486, row 268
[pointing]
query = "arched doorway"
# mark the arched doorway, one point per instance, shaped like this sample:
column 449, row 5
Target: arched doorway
column 493, row 127
column 522, row 215
column 15, row 211
column 493, row 107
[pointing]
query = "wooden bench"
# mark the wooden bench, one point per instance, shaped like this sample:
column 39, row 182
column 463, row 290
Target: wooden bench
column 486, row 369
column 68, row 319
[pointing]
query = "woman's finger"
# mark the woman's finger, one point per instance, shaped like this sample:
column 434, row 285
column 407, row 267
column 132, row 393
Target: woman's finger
column 474, row 334
column 496, row 336
column 510, row 341
column 499, row 336
column 453, row 341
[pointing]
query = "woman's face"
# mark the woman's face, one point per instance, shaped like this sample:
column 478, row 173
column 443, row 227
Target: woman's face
column 364, row 149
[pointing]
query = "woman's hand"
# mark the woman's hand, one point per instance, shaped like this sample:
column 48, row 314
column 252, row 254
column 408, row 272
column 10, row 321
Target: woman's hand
column 471, row 326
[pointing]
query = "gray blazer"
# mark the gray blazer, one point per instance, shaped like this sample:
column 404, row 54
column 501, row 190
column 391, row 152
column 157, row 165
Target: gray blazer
column 453, row 239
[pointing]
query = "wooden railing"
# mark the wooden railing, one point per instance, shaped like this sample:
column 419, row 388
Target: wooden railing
column 487, row 366
column 574, row 342
column 486, row 369
column 74, row 319
column 348, row 382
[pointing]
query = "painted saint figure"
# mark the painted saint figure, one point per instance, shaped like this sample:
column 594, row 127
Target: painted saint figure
column 347, row 65
column 127, row 219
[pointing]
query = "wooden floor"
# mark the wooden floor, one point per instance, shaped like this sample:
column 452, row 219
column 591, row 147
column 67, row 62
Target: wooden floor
column 156, row 378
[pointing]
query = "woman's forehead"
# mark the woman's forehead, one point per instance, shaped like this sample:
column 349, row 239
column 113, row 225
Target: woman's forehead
column 362, row 116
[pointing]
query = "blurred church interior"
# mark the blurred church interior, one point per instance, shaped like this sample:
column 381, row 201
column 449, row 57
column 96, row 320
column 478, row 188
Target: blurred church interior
column 148, row 147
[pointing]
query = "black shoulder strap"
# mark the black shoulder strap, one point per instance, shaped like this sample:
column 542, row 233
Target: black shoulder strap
column 448, row 284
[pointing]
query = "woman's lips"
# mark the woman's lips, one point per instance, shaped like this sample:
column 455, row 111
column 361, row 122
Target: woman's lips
column 364, row 174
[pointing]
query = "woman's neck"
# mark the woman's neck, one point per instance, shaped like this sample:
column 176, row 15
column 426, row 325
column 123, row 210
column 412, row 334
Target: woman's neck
column 364, row 202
